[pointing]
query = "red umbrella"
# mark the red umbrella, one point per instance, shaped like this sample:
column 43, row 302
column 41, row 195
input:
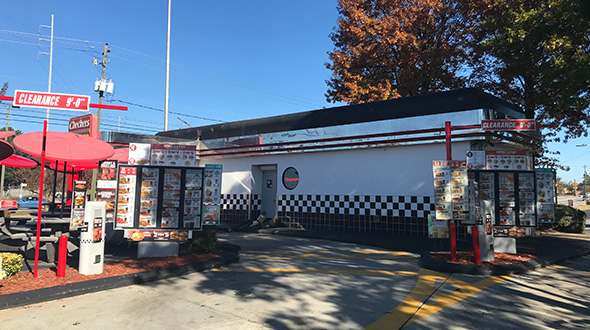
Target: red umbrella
column 18, row 161
column 121, row 155
column 5, row 149
column 64, row 146
column 73, row 166
column 4, row 134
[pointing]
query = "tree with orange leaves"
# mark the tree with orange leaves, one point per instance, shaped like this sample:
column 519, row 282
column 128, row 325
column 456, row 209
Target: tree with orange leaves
column 386, row 49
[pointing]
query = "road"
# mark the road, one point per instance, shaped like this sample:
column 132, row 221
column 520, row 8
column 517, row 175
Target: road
column 295, row 283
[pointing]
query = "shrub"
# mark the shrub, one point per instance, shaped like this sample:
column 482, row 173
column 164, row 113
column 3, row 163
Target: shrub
column 11, row 263
column 569, row 219
column 204, row 241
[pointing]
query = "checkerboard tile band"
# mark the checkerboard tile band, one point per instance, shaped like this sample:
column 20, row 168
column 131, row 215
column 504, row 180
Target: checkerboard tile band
column 240, row 202
column 393, row 206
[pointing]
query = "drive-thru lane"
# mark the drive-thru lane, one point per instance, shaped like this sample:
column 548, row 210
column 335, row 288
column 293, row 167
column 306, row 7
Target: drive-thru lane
column 285, row 282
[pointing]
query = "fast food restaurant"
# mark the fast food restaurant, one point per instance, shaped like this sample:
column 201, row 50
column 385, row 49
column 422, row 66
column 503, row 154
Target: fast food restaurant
column 359, row 168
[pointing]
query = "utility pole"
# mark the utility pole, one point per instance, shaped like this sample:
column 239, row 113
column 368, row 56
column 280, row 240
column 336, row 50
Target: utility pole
column 3, row 167
column 100, row 97
column 584, row 182
column 50, row 59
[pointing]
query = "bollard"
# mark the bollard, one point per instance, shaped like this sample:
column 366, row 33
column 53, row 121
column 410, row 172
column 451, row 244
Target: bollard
column 453, row 241
column 476, row 252
column 62, row 256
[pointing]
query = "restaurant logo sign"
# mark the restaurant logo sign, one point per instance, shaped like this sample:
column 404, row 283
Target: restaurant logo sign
column 84, row 125
column 290, row 178
column 509, row 125
column 51, row 100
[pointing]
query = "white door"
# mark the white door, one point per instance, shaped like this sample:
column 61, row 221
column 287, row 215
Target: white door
column 269, row 193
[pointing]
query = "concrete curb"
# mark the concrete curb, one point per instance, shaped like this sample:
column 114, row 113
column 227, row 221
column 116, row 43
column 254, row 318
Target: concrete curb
column 19, row 299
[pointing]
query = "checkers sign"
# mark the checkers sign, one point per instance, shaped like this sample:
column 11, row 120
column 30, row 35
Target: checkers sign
column 51, row 100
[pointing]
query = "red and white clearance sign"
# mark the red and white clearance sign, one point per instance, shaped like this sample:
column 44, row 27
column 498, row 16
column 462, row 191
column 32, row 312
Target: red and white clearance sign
column 51, row 100
column 509, row 125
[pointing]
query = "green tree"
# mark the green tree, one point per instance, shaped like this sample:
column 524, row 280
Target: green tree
column 536, row 54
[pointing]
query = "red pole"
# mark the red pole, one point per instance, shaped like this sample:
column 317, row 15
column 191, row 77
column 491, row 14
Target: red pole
column 63, row 254
column 476, row 252
column 448, row 140
column 40, row 198
column 453, row 242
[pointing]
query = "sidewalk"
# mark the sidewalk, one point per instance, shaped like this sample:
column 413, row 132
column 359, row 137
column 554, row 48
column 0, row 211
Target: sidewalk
column 549, row 248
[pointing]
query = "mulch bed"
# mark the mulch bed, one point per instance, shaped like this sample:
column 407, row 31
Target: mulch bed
column 466, row 258
column 24, row 281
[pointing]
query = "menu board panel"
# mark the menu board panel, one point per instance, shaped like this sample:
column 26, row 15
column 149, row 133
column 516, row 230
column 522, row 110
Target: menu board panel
column 526, row 199
column 139, row 153
column 212, row 194
column 106, row 187
column 506, row 160
column 451, row 190
column 126, row 197
column 192, row 198
column 139, row 235
column 545, row 195
column 79, row 204
column 506, row 192
column 148, row 197
column 171, row 198
column 173, row 155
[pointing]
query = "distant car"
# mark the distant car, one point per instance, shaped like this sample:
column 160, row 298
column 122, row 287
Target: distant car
column 29, row 202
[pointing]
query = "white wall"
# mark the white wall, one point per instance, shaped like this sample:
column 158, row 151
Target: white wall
column 393, row 171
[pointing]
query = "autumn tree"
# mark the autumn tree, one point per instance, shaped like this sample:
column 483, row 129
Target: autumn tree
column 389, row 49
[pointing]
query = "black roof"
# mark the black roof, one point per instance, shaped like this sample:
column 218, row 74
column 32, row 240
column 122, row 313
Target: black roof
column 443, row 102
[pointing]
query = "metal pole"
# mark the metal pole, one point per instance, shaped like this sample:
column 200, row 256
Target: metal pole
column 100, row 97
column 167, row 97
column 50, row 63
column 3, row 167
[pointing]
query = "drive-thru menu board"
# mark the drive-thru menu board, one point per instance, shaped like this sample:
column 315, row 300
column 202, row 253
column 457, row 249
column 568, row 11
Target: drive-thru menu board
column 126, row 197
column 545, row 195
column 166, row 198
column 451, row 190
column 212, row 197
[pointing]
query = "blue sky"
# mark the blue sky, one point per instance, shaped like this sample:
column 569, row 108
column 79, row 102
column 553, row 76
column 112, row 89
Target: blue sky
column 230, row 60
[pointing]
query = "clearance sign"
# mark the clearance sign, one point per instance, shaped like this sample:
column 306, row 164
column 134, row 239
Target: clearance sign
column 509, row 125
column 51, row 101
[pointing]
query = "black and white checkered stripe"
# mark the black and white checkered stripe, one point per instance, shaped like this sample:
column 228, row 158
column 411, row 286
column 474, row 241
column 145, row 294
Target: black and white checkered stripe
column 240, row 202
column 393, row 206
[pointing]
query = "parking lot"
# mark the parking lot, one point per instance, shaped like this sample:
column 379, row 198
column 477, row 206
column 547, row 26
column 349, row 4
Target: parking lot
column 298, row 283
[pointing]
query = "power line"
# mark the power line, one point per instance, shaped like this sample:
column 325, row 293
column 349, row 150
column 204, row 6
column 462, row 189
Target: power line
column 162, row 110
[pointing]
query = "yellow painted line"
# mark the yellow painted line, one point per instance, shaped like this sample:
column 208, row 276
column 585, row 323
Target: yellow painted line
column 318, row 271
column 315, row 255
column 396, row 318
column 568, row 268
column 329, row 251
column 311, row 256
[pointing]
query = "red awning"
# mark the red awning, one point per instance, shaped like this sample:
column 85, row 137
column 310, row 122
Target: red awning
column 18, row 161
column 63, row 146
column 5, row 149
